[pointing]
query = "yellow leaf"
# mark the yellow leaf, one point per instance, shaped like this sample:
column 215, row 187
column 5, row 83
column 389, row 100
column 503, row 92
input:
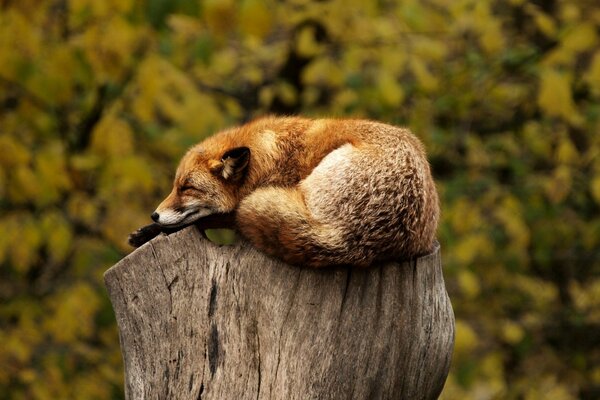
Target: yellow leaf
column 255, row 18
column 466, row 339
column 5, row 240
column 586, row 297
column 509, row 213
column 148, row 87
column 266, row 96
column 51, row 172
column 595, row 375
column 543, row 21
column 82, row 208
column 477, row 155
column 488, row 27
column 28, row 376
column 394, row 64
column 595, row 188
column 427, row 81
column 26, row 240
column 13, row 152
column 346, row 98
column 25, row 186
column 492, row 37
column 566, row 153
column 427, row 47
column 112, row 137
column 286, row 92
column 536, row 139
column 200, row 114
column 464, row 216
column 472, row 246
column 555, row 97
column 54, row 83
column 592, row 75
column 224, row 61
column 468, row 283
column 570, row 12
column 508, row 94
column 512, row 332
column 18, row 348
column 184, row 26
column 253, row 74
column 232, row 108
column 20, row 42
column 306, row 43
column 95, row 8
column 59, row 236
column 558, row 186
column 220, row 15
column 311, row 95
column 390, row 90
column 581, row 38
column 322, row 71
column 542, row 294
column 493, row 367
column 3, row 183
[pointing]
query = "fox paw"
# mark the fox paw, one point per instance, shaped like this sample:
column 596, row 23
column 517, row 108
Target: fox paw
column 144, row 234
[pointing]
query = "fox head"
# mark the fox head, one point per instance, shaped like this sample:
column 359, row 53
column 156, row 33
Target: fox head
column 203, row 186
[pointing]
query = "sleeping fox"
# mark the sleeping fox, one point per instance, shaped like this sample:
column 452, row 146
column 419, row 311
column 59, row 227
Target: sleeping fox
column 313, row 192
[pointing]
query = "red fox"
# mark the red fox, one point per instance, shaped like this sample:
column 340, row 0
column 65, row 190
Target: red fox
column 312, row 192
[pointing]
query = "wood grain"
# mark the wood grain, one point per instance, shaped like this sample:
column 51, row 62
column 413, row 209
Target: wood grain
column 199, row 321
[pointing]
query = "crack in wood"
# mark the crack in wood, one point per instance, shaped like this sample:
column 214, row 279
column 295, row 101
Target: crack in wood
column 213, row 350
column 173, row 281
column 201, row 390
column 259, row 362
column 212, row 303
column 191, row 383
column 345, row 292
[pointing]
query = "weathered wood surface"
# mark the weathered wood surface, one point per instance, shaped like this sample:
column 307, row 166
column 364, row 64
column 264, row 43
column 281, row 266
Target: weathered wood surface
column 199, row 321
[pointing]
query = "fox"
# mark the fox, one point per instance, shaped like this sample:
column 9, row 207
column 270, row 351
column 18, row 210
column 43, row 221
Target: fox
column 311, row 192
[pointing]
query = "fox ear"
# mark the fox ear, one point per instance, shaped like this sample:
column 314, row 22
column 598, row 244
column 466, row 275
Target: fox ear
column 234, row 163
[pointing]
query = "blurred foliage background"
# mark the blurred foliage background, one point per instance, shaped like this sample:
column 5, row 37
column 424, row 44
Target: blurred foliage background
column 99, row 99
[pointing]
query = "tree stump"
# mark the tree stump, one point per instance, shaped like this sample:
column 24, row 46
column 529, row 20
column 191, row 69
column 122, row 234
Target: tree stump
column 200, row 321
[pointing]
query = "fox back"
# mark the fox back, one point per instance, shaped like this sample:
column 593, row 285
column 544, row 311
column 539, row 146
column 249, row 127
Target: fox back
column 312, row 192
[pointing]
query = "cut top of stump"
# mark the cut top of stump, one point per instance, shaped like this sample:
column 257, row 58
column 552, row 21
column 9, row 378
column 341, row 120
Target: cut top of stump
column 202, row 321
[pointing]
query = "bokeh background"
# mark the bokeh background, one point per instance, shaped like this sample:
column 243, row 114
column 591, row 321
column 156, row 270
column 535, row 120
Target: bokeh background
column 99, row 99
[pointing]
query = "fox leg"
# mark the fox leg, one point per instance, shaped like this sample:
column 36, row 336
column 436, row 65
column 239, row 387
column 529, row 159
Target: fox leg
column 277, row 221
column 149, row 232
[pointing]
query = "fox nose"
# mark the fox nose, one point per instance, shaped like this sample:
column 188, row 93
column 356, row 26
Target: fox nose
column 154, row 216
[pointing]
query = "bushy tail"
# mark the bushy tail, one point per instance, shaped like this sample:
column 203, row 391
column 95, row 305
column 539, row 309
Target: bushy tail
column 277, row 221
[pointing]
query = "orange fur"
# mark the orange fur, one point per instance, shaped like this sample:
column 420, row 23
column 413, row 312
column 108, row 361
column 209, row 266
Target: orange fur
column 313, row 192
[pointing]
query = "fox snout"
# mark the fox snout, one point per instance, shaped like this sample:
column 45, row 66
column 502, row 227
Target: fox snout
column 178, row 216
column 176, row 211
column 167, row 217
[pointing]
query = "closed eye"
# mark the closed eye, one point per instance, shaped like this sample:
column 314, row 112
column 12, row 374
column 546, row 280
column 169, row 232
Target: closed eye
column 188, row 188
